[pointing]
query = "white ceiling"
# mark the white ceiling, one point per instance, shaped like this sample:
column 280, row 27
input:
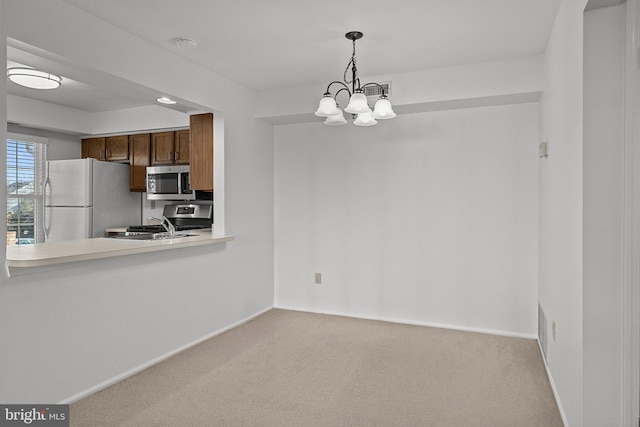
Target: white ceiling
column 278, row 43
column 82, row 88
column 85, row 95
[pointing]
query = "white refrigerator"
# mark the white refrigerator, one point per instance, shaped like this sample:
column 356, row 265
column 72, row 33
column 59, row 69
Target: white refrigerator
column 84, row 197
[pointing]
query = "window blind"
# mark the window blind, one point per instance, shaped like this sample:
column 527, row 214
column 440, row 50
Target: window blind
column 26, row 172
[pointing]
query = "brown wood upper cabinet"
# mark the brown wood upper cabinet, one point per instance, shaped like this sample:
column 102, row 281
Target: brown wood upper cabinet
column 162, row 148
column 117, row 148
column 170, row 148
column 139, row 159
column 201, row 151
column 93, row 148
column 182, row 145
column 111, row 148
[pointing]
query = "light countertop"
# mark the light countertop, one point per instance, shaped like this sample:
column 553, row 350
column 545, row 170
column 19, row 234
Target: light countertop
column 43, row 254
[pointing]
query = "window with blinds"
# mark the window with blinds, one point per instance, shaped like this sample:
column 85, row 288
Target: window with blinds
column 26, row 172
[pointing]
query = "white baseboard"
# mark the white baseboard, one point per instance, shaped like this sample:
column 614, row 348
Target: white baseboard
column 553, row 386
column 416, row 323
column 157, row 360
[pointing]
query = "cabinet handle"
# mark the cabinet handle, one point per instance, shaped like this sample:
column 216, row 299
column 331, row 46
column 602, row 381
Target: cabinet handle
column 177, row 155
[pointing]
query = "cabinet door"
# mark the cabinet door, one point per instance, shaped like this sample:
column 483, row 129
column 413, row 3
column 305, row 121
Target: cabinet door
column 182, row 147
column 93, row 148
column 162, row 148
column 117, row 148
column 139, row 156
column 201, row 151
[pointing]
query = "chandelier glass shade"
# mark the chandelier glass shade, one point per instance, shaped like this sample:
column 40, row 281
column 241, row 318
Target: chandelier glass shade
column 34, row 79
column 365, row 119
column 327, row 107
column 337, row 119
column 358, row 105
column 383, row 109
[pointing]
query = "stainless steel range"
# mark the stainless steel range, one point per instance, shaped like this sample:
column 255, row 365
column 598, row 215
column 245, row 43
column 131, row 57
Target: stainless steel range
column 179, row 217
column 183, row 216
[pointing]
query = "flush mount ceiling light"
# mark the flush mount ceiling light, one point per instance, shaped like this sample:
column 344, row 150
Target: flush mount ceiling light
column 165, row 100
column 358, row 106
column 34, row 79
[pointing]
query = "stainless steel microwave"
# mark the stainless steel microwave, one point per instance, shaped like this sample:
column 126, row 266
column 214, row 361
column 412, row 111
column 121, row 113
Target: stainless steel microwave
column 169, row 183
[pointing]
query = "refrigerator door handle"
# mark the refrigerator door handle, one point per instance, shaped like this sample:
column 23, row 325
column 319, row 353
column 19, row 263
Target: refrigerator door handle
column 44, row 206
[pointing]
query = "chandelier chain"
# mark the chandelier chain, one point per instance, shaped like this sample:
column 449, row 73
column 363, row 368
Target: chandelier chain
column 354, row 69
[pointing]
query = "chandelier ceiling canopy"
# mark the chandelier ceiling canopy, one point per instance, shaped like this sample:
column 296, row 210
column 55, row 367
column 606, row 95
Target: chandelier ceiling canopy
column 358, row 106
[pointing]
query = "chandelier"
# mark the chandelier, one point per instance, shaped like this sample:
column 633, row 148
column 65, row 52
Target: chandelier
column 358, row 106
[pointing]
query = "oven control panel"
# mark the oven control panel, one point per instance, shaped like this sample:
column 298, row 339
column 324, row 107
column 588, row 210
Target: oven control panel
column 189, row 210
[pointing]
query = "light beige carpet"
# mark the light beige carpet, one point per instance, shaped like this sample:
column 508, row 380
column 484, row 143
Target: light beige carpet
column 288, row 368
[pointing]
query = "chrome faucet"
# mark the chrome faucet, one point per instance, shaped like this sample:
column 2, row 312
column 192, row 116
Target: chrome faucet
column 166, row 224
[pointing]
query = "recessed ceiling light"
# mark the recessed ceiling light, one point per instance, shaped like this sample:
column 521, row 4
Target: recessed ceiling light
column 185, row 43
column 165, row 100
column 34, row 79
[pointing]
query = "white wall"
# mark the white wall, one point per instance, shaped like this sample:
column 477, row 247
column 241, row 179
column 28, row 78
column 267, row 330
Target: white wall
column 3, row 129
column 45, row 115
column 604, row 77
column 513, row 80
column 561, row 201
column 68, row 330
column 61, row 146
column 426, row 218
column 631, row 262
column 137, row 119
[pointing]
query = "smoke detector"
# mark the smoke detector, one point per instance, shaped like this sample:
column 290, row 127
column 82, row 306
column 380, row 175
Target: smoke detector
column 185, row 43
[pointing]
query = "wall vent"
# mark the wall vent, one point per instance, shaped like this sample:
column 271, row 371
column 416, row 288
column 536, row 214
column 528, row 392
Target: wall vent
column 542, row 330
column 376, row 91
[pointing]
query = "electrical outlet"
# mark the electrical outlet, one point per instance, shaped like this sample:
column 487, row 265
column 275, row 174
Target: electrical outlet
column 553, row 329
column 543, row 150
column 318, row 278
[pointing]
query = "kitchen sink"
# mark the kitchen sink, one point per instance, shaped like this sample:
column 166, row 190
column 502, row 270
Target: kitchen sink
column 149, row 236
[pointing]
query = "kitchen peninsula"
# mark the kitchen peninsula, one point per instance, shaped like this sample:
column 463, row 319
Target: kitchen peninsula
column 44, row 254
